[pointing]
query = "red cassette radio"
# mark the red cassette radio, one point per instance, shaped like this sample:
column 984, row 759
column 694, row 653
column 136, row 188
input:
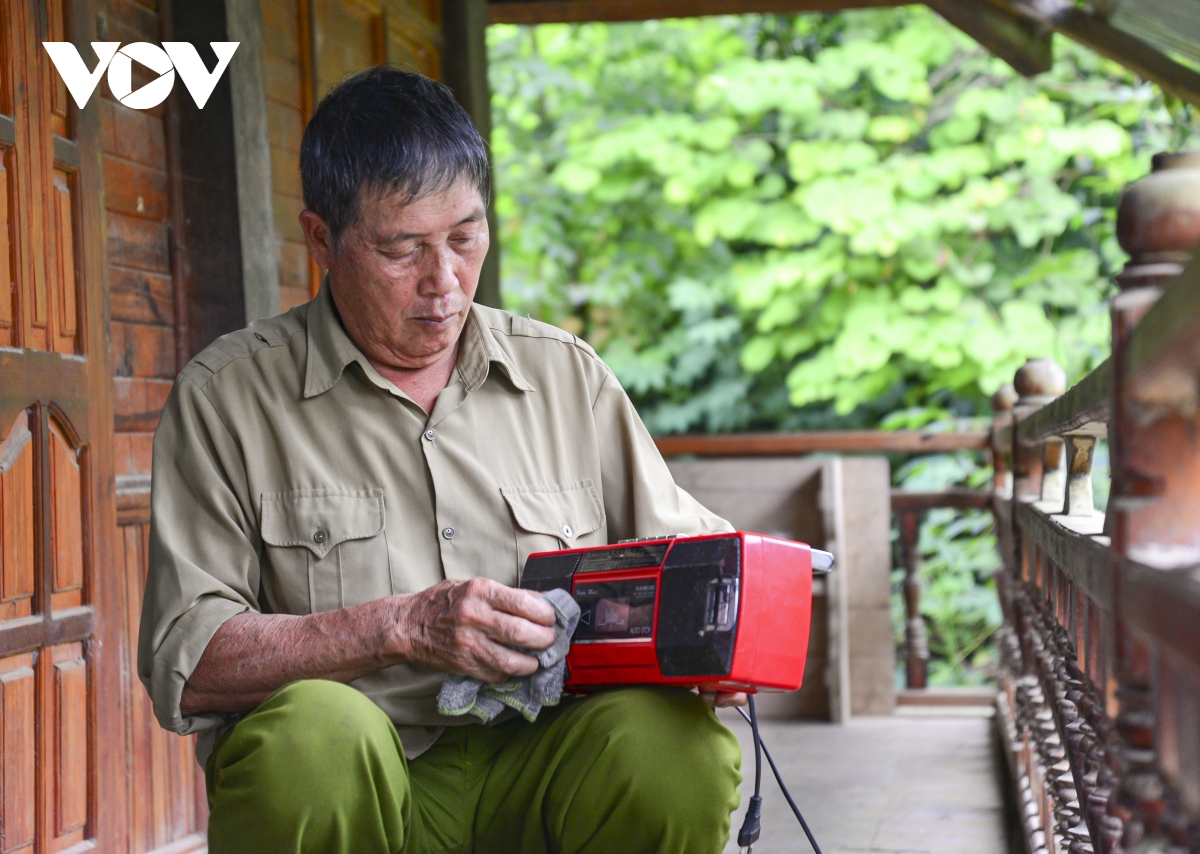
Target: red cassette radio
column 728, row 612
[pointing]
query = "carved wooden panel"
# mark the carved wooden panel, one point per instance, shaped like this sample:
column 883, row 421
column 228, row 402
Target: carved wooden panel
column 68, row 798
column 18, row 806
column 16, row 521
column 39, row 206
column 66, row 508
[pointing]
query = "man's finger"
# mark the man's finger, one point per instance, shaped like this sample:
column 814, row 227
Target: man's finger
column 497, row 663
column 521, row 603
column 517, row 631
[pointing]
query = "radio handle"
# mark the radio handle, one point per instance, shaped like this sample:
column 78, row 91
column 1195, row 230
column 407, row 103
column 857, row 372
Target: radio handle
column 822, row 562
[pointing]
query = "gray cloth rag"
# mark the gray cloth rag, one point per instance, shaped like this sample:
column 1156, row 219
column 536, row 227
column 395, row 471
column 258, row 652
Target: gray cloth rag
column 463, row 695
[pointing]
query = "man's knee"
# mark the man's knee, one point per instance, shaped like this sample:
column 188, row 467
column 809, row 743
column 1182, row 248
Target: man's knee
column 667, row 754
column 317, row 755
column 307, row 724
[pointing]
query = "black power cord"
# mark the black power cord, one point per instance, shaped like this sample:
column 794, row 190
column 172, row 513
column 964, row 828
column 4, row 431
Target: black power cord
column 752, row 824
column 754, row 811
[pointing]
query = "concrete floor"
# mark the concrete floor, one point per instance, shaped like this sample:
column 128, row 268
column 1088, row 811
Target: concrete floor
column 918, row 784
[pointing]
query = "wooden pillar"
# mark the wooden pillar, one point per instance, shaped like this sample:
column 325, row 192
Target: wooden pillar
column 465, row 71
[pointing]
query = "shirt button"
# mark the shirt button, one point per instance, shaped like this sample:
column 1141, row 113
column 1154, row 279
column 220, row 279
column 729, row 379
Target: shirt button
column 320, row 536
column 429, row 434
column 567, row 531
column 448, row 533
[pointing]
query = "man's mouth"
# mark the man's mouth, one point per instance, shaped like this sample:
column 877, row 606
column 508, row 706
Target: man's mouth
column 435, row 322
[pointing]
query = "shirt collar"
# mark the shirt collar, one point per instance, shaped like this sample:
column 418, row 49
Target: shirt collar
column 330, row 350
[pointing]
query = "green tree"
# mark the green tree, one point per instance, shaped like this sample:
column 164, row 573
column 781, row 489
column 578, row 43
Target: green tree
column 797, row 221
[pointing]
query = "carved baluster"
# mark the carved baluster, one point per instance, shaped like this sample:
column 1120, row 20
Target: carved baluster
column 1079, row 501
column 916, row 643
column 1037, row 382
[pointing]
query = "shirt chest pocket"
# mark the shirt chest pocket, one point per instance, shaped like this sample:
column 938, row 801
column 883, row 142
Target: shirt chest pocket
column 327, row 548
column 548, row 518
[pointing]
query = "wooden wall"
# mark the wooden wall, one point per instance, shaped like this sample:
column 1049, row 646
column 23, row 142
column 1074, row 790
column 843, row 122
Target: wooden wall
column 309, row 47
column 163, row 800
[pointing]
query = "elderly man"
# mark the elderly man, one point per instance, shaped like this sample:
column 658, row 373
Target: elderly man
column 344, row 497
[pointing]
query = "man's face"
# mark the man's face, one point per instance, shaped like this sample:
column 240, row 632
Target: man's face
column 404, row 275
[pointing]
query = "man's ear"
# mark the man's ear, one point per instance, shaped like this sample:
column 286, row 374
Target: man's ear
column 318, row 237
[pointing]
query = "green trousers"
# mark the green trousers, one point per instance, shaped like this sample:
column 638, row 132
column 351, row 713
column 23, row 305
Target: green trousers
column 318, row 767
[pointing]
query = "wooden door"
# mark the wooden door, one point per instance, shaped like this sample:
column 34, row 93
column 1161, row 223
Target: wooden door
column 56, row 685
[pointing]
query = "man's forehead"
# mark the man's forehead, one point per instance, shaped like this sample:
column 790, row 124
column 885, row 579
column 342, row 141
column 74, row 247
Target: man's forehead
column 393, row 216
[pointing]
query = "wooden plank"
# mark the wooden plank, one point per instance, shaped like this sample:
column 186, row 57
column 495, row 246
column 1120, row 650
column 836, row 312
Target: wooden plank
column 1164, row 350
column 1084, row 409
column 139, row 296
column 579, row 11
column 138, row 402
column 140, row 350
column 138, row 243
column 133, row 508
column 135, row 189
column 821, row 441
column 1085, row 559
column 133, row 455
column 133, row 135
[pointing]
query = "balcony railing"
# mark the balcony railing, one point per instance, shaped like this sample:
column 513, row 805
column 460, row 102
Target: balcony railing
column 1100, row 700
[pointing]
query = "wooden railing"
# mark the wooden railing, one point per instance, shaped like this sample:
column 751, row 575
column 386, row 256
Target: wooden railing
column 1100, row 699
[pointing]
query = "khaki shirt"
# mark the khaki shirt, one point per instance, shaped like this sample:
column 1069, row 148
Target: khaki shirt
column 290, row 477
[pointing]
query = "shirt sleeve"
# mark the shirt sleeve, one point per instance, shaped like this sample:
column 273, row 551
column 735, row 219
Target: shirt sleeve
column 640, row 496
column 204, row 552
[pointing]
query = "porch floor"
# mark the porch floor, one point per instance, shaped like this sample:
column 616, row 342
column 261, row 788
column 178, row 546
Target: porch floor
column 925, row 782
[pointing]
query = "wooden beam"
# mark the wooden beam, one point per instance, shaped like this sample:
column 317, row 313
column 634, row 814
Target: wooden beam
column 1022, row 42
column 581, row 11
column 821, row 441
column 1094, row 32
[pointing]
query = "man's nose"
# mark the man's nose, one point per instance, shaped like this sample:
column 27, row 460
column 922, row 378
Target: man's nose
column 440, row 275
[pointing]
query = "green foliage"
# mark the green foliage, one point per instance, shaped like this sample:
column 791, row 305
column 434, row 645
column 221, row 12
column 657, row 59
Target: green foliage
column 797, row 221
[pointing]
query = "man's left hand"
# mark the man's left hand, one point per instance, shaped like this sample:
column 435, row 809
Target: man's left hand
column 721, row 700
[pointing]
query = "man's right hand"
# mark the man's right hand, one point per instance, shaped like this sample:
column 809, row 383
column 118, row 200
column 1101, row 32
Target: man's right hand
column 469, row 627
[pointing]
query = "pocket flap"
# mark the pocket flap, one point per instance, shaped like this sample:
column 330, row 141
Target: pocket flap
column 566, row 511
column 319, row 519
